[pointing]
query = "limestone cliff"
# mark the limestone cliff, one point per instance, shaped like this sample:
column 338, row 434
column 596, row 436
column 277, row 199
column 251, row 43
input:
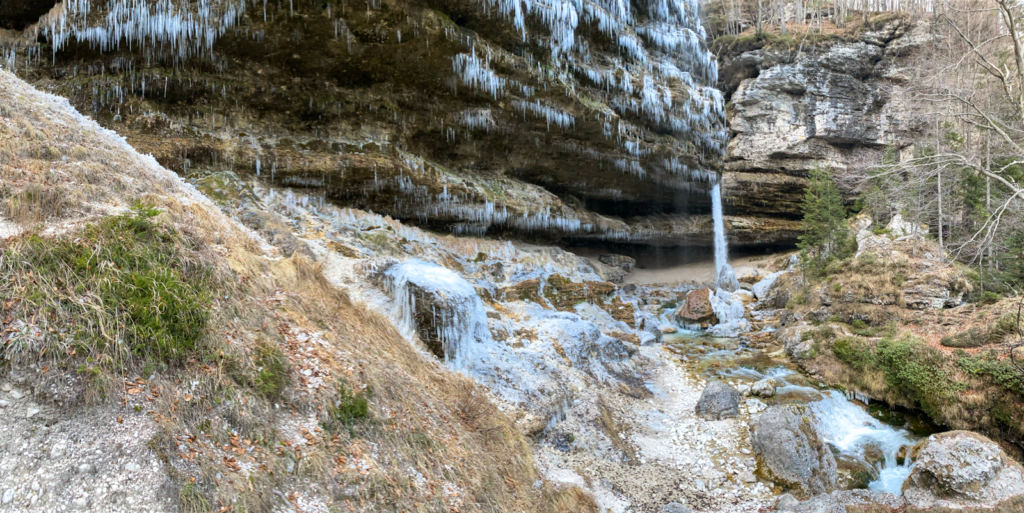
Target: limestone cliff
column 588, row 119
column 839, row 101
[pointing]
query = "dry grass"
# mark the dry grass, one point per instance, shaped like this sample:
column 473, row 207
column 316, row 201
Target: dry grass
column 429, row 440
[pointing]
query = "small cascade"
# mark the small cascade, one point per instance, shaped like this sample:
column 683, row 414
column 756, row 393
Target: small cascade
column 853, row 431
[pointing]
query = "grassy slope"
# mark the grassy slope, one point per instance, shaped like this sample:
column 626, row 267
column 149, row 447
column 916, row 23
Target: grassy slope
column 265, row 375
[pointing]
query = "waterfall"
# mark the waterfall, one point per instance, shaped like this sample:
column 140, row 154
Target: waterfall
column 721, row 245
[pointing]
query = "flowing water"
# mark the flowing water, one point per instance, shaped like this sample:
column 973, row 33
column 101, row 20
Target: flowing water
column 721, row 245
column 865, row 440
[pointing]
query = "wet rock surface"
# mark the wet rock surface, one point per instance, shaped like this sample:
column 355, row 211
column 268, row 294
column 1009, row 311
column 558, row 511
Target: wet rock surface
column 840, row 501
column 791, row 452
column 697, row 308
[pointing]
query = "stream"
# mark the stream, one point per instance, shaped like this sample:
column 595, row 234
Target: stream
column 865, row 440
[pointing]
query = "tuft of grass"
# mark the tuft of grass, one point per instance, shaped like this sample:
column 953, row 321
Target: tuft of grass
column 191, row 501
column 124, row 288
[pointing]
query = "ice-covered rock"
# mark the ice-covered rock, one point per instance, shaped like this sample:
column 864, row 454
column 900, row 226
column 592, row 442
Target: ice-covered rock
column 440, row 306
column 762, row 288
column 792, row 453
column 961, row 470
column 726, row 279
column 730, row 312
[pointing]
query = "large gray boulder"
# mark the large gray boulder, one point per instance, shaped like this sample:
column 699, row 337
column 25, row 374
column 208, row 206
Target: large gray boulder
column 718, row 401
column 961, row 470
column 791, row 452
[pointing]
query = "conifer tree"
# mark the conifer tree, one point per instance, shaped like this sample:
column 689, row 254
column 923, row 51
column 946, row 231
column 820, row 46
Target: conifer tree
column 826, row 236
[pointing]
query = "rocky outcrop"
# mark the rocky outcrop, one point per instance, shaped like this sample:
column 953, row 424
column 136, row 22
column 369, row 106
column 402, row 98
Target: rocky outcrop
column 791, row 452
column 961, row 470
column 837, row 102
column 718, row 401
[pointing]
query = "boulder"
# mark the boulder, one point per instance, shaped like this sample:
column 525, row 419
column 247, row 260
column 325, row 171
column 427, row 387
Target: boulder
column 792, row 339
column 791, row 452
column 899, row 227
column 961, row 470
column 697, row 308
column 621, row 261
column 764, row 388
column 718, row 401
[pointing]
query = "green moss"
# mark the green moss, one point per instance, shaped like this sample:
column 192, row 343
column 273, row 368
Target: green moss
column 125, row 286
column 989, row 366
column 916, row 370
column 853, row 353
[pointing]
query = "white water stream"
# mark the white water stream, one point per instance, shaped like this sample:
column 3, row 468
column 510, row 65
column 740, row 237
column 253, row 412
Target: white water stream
column 854, row 432
column 846, row 426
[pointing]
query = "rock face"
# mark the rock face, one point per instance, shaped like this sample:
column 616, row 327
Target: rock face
column 718, row 401
column 791, row 452
column 837, row 103
column 555, row 120
column 964, row 470
column 621, row 261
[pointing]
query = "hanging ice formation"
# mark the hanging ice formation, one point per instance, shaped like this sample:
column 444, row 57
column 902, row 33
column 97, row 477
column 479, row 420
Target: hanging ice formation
column 657, row 50
column 161, row 28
